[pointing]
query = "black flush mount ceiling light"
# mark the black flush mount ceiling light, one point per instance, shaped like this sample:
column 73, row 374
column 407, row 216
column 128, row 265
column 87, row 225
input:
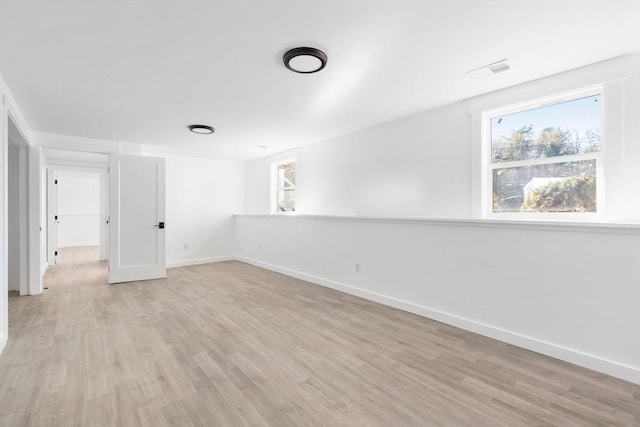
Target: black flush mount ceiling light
column 201, row 129
column 305, row 60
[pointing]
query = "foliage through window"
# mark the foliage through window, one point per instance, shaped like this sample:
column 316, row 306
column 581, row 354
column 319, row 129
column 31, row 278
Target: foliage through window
column 545, row 159
column 285, row 191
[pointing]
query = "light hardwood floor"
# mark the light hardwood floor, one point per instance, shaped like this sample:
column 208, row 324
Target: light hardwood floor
column 230, row 344
column 79, row 255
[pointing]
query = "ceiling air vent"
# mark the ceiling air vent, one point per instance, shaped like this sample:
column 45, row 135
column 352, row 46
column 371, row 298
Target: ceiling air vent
column 489, row 70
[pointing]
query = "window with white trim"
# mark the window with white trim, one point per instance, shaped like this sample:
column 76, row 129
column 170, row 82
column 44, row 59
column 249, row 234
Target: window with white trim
column 544, row 159
column 284, row 182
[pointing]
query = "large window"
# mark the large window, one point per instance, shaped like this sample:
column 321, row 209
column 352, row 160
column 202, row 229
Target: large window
column 544, row 159
column 284, row 179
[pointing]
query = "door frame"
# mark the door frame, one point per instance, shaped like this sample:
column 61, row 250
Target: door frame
column 18, row 142
column 52, row 207
column 52, row 203
column 10, row 112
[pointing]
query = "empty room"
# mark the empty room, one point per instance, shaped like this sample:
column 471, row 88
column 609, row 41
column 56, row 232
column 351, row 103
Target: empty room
column 320, row 213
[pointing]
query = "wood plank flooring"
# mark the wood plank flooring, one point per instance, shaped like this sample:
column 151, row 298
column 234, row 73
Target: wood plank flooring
column 78, row 255
column 229, row 344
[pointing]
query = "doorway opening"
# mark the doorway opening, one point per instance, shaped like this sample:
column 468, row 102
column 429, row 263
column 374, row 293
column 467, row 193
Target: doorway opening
column 17, row 212
column 77, row 216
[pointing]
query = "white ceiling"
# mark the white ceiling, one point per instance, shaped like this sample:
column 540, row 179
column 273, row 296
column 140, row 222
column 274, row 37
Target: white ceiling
column 141, row 71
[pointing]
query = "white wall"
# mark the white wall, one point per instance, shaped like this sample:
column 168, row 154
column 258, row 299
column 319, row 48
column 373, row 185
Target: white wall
column 17, row 213
column 202, row 196
column 418, row 166
column 569, row 292
column 78, row 208
column 564, row 291
column 7, row 107
column 4, row 235
column 427, row 165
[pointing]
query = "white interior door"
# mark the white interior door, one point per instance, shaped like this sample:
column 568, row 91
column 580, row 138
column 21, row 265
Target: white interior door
column 137, row 215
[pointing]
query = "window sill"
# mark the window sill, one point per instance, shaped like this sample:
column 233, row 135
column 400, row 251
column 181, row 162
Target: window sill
column 606, row 227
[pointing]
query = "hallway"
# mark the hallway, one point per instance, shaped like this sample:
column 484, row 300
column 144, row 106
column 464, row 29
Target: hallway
column 77, row 266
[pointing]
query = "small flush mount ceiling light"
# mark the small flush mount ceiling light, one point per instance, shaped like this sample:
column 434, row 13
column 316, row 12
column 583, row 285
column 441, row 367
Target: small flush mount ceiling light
column 201, row 129
column 305, row 60
column 489, row 69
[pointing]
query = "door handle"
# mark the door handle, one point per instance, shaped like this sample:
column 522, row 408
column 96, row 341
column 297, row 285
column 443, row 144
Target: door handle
column 159, row 225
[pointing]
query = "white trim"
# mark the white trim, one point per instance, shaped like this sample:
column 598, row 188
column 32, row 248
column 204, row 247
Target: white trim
column 8, row 109
column 3, row 340
column 275, row 188
column 618, row 77
column 35, row 227
column 546, row 161
column 12, row 110
column 600, row 73
column 608, row 367
column 75, row 143
column 79, row 165
column 546, row 101
column 187, row 262
column 23, row 221
column 488, row 166
column 43, row 270
column 595, row 227
column 101, row 170
column 79, row 214
column 52, row 208
column 4, row 246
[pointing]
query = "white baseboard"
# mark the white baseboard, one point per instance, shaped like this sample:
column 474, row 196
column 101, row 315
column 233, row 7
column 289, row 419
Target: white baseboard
column 187, row 262
column 608, row 367
column 3, row 340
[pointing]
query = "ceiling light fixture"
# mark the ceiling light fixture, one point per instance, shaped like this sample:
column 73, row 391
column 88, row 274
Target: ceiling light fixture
column 305, row 60
column 202, row 129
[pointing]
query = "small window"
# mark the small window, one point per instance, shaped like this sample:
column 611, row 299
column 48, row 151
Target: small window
column 285, row 186
column 545, row 158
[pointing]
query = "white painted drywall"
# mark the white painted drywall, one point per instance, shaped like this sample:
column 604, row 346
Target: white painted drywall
column 8, row 107
column 44, row 226
column 13, row 262
column 17, row 213
column 78, row 208
column 4, row 235
column 571, row 293
column 414, row 167
column 202, row 196
column 427, row 165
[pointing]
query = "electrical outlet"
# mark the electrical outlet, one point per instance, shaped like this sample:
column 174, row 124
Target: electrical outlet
column 259, row 247
column 358, row 267
column 185, row 246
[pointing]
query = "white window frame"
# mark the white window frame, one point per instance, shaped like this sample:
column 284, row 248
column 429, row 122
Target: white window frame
column 488, row 167
column 275, row 188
